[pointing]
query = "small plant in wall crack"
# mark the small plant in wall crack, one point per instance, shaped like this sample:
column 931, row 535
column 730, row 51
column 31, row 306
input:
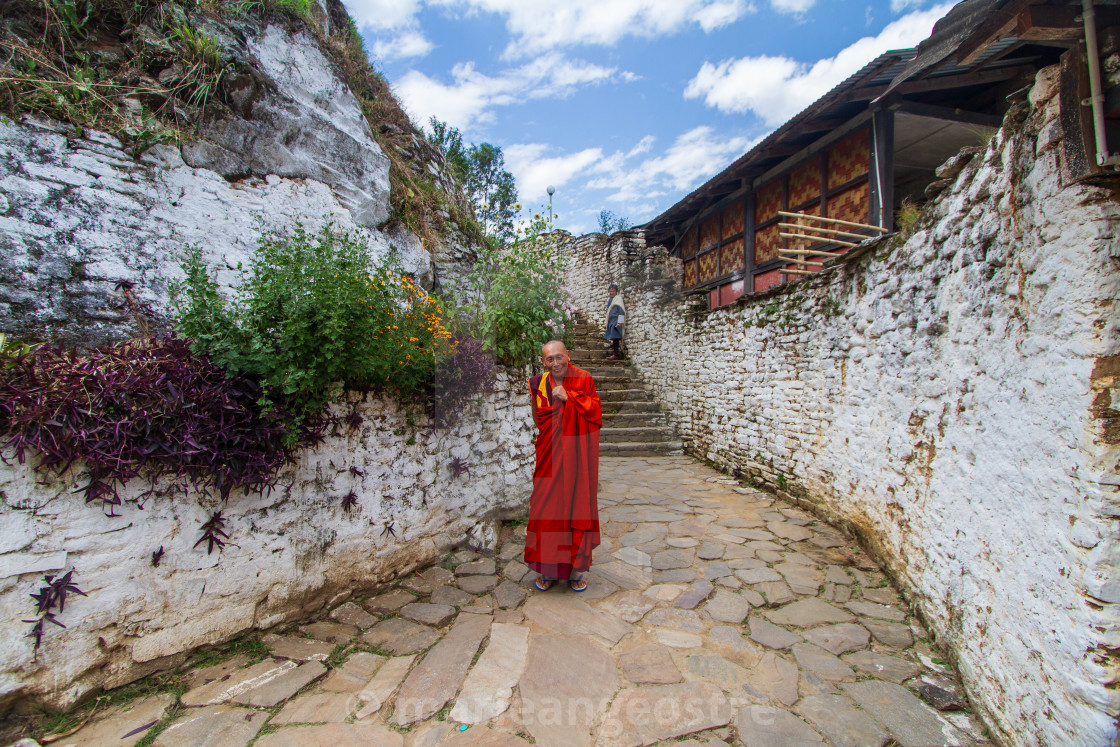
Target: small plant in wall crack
column 350, row 502
column 459, row 467
column 51, row 594
column 213, row 533
column 157, row 556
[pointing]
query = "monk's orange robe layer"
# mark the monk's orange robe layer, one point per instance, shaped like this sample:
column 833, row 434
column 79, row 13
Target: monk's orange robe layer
column 564, row 510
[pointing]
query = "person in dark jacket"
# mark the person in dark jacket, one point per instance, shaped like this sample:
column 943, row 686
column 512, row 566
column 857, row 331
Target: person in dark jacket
column 616, row 318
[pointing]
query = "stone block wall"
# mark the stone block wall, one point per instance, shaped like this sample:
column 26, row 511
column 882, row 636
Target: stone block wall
column 290, row 552
column 947, row 396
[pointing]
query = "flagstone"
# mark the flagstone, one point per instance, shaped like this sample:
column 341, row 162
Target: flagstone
column 630, row 606
column 777, row 593
column 354, row 673
column 483, row 567
column 676, row 618
column 508, row 595
column 677, row 638
column 816, row 659
column 716, row 570
column 883, row 612
column 885, row 595
column 633, row 556
column 213, row 726
column 569, row 615
column 446, row 596
column 300, row 649
column 479, row 737
column 727, row 606
column 219, row 691
column 788, row 530
column 567, row 684
column 123, row 725
column 769, row 726
column 436, row 679
column 773, row 678
column 435, row 615
column 729, row 582
column 665, row 592
column 840, row 721
column 281, row 688
column 330, row 632
column 839, row 639
column 383, row 684
column 652, row 665
column 400, row 637
column 745, row 564
column 646, row 715
column 770, row 635
column 890, row 634
column 489, row 685
column 624, row 575
column 836, row 593
column 334, row 735
column 515, row 570
column 687, row 529
column 315, row 708
column 758, row 575
column 438, row 576
column 880, row 666
column 643, row 535
column 837, row 575
column 711, row 551
column 729, row 539
column 390, row 602
column 910, row 721
column 352, row 614
column 213, row 673
column 682, row 543
column 668, row 560
column 477, row 584
column 676, row 576
column 729, row 642
column 808, row 613
column 511, row 550
column 691, row 599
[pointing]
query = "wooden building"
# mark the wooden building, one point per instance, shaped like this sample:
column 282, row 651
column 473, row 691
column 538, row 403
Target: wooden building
column 875, row 140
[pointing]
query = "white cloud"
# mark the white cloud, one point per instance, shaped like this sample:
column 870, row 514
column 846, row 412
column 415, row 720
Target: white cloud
column 539, row 25
column 793, row 6
column 694, row 156
column 534, row 172
column 897, row 6
column 470, row 95
column 404, row 45
column 777, row 88
column 378, row 15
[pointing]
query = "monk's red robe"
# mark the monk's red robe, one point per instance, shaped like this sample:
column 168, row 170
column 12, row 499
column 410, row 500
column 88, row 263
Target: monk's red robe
column 564, row 510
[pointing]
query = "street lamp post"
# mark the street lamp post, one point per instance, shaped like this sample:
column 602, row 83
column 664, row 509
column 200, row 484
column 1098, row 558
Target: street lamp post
column 551, row 191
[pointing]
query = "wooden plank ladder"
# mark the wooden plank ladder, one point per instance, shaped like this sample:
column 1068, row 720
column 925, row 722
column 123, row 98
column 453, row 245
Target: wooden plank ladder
column 807, row 230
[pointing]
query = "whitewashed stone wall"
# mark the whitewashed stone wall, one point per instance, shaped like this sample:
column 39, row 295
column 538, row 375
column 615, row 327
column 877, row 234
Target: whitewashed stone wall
column 951, row 401
column 290, row 552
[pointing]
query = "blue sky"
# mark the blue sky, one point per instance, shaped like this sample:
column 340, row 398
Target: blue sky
column 624, row 105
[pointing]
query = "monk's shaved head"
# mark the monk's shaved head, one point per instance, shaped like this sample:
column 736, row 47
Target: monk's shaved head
column 545, row 347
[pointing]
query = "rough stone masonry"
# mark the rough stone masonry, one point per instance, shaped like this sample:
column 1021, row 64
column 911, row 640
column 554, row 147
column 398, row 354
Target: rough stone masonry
column 950, row 399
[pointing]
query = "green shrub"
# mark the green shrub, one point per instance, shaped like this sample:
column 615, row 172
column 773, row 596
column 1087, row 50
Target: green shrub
column 314, row 313
column 517, row 301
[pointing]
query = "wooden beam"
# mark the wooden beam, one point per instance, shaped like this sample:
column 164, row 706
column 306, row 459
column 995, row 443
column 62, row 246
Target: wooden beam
column 1000, row 25
column 947, row 114
column 982, row 77
column 1050, row 23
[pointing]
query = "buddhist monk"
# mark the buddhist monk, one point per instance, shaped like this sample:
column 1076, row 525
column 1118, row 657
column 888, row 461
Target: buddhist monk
column 563, row 510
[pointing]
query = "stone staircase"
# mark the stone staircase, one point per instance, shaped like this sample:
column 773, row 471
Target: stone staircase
column 633, row 424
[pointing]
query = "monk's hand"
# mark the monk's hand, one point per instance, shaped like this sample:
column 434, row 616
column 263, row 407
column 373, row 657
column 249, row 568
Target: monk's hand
column 559, row 393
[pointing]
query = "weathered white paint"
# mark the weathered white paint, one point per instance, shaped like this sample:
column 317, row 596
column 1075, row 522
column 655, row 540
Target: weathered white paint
column 290, row 552
column 946, row 399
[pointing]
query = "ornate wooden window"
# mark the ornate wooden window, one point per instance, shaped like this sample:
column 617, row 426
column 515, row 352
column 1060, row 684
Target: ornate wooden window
column 718, row 244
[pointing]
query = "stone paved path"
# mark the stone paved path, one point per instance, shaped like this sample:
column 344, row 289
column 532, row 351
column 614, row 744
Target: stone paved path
column 715, row 615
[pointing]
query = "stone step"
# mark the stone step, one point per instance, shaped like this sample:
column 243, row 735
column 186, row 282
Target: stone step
column 596, row 369
column 612, row 408
column 640, row 449
column 625, row 395
column 613, row 384
column 634, row 419
column 654, row 434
